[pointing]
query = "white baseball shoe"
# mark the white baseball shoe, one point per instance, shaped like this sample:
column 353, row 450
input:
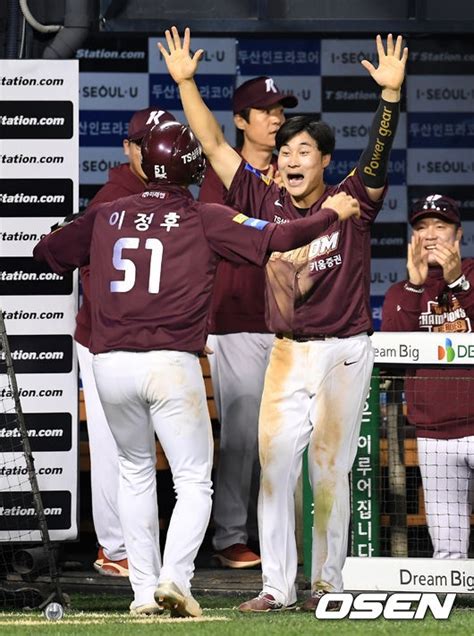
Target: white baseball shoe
column 146, row 609
column 170, row 597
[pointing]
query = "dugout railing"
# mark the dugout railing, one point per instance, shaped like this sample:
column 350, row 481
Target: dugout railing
column 388, row 521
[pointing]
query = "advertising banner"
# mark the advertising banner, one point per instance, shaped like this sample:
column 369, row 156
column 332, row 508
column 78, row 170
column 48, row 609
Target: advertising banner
column 39, row 139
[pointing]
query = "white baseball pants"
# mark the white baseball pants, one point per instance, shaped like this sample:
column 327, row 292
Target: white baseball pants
column 159, row 392
column 314, row 396
column 104, row 465
column 446, row 467
column 238, row 367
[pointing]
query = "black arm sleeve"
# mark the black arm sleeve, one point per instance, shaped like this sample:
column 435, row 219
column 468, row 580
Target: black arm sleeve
column 373, row 162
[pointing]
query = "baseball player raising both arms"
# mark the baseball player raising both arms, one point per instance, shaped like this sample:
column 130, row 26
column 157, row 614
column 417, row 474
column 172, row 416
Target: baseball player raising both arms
column 317, row 301
column 152, row 259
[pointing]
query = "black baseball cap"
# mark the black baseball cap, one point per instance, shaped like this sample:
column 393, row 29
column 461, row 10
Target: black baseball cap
column 260, row 92
column 438, row 206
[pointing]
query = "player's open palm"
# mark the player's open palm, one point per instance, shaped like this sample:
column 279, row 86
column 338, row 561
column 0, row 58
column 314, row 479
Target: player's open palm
column 181, row 64
column 449, row 257
column 417, row 262
column 391, row 69
column 344, row 205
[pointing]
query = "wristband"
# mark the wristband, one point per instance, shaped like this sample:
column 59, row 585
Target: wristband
column 411, row 288
column 66, row 221
column 460, row 284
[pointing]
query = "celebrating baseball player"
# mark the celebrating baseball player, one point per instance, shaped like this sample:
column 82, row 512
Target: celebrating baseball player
column 152, row 260
column 438, row 297
column 318, row 306
column 240, row 340
column 124, row 180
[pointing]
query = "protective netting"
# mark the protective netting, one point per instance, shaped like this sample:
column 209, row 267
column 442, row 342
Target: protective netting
column 28, row 569
column 426, row 463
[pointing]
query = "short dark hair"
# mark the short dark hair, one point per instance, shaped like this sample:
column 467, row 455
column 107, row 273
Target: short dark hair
column 321, row 132
column 245, row 114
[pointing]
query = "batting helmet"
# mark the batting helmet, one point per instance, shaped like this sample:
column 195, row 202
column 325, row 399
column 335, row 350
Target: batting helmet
column 172, row 154
column 437, row 205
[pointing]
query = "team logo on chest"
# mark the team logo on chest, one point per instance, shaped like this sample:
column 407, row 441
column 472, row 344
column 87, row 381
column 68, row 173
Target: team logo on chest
column 313, row 256
column 323, row 245
column 440, row 319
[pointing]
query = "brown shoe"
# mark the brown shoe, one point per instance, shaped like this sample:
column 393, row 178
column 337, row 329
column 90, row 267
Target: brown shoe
column 107, row 567
column 100, row 558
column 237, row 556
column 312, row 602
column 264, row 603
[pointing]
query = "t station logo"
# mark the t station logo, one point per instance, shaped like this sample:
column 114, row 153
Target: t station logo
column 450, row 352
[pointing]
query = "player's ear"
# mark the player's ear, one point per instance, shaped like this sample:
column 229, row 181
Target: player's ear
column 326, row 160
column 239, row 122
column 126, row 147
column 459, row 234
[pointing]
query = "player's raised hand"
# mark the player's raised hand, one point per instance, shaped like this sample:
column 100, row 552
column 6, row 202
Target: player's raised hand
column 344, row 205
column 179, row 61
column 391, row 67
column 417, row 262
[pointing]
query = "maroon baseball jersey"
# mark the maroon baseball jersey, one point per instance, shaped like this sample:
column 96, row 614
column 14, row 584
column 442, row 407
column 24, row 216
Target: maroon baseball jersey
column 438, row 405
column 324, row 287
column 238, row 296
column 153, row 258
column 122, row 182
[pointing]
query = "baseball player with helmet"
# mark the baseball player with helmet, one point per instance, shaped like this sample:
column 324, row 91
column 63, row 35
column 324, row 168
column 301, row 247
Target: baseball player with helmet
column 124, row 180
column 240, row 340
column 317, row 301
column 438, row 297
column 152, row 259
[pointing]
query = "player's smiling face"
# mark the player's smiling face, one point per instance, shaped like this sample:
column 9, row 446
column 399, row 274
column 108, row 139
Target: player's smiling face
column 434, row 231
column 301, row 166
